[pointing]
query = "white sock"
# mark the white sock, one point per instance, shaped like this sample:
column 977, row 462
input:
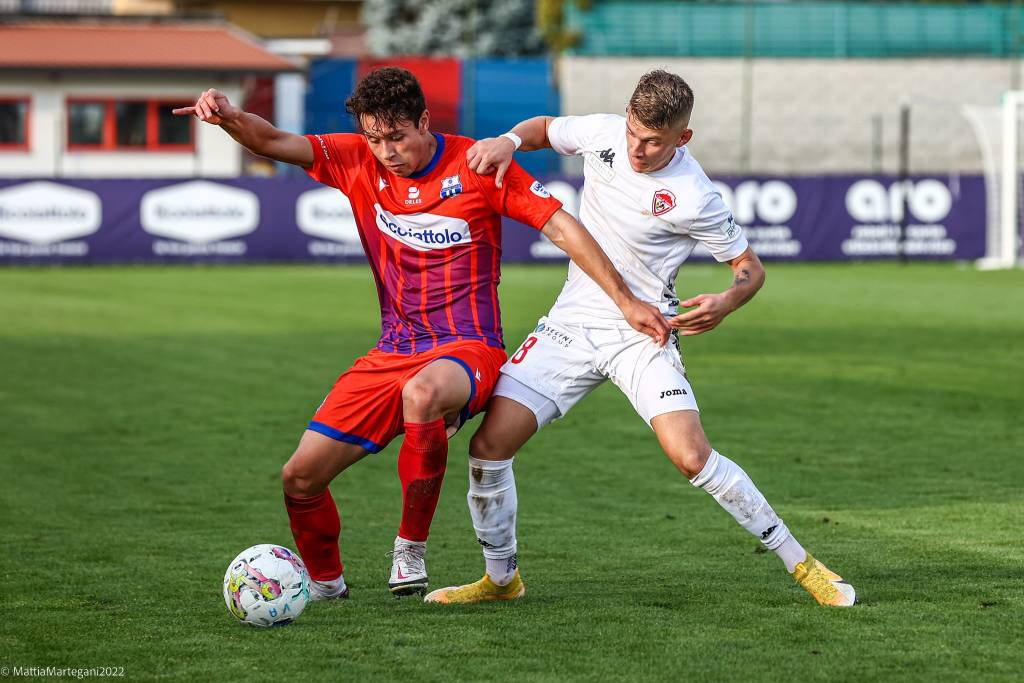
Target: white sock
column 419, row 546
column 791, row 553
column 331, row 588
column 732, row 488
column 492, row 505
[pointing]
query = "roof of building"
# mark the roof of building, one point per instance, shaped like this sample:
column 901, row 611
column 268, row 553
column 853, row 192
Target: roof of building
column 154, row 46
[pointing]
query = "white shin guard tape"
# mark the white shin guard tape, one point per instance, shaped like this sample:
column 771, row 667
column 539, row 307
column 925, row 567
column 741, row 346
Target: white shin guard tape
column 733, row 489
column 492, row 505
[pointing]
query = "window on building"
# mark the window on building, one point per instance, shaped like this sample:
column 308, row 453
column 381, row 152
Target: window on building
column 13, row 123
column 171, row 129
column 128, row 125
column 85, row 123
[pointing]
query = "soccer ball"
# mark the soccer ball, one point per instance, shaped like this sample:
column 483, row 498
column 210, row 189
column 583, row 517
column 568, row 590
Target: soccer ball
column 266, row 585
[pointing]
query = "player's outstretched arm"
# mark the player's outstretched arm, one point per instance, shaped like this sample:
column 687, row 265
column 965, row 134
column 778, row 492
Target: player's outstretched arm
column 493, row 155
column 574, row 240
column 252, row 132
column 711, row 309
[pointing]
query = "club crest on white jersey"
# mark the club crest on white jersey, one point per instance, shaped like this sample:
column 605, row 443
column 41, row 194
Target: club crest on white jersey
column 423, row 231
column 664, row 201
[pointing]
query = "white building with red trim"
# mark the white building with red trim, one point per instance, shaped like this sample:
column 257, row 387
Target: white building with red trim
column 80, row 99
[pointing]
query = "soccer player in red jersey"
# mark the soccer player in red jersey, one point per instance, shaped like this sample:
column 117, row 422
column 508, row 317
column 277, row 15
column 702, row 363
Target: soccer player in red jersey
column 431, row 230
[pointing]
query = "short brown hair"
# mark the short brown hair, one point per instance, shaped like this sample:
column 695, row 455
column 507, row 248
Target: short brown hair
column 390, row 95
column 661, row 100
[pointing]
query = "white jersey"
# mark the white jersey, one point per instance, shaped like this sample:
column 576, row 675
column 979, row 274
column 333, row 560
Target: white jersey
column 647, row 223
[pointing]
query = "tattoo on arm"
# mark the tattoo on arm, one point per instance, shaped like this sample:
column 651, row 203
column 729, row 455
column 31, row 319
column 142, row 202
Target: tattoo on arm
column 742, row 278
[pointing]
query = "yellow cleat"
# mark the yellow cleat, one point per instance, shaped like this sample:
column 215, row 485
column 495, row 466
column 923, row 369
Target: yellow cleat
column 483, row 590
column 824, row 585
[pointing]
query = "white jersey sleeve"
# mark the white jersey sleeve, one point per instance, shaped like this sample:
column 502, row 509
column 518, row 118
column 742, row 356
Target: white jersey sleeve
column 716, row 229
column 571, row 135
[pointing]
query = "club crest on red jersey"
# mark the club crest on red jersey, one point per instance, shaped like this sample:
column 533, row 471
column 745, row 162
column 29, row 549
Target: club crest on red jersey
column 664, row 201
column 451, row 186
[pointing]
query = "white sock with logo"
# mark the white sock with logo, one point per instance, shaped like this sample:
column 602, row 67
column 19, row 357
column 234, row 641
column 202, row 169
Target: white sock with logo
column 492, row 505
column 732, row 488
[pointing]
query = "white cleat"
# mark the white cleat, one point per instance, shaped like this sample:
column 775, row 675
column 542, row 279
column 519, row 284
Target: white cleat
column 408, row 570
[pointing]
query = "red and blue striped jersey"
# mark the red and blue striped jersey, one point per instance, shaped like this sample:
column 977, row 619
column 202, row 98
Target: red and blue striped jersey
column 433, row 240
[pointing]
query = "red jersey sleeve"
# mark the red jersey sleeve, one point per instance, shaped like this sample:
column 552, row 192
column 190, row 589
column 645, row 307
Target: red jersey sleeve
column 520, row 197
column 337, row 159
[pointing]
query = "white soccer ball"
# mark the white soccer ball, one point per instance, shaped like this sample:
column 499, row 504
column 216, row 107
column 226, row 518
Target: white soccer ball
column 266, row 585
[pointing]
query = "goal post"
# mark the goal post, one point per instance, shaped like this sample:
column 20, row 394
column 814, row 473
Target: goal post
column 1002, row 168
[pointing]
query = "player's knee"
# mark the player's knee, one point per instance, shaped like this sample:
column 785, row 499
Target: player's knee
column 693, row 458
column 691, row 455
column 421, row 398
column 298, row 482
column 484, row 446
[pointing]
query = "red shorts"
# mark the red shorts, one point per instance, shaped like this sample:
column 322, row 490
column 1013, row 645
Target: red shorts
column 365, row 405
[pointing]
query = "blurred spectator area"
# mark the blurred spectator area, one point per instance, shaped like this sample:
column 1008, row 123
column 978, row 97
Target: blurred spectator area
column 798, row 87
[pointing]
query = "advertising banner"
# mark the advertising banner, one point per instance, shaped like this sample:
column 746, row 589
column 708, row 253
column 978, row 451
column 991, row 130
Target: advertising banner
column 827, row 218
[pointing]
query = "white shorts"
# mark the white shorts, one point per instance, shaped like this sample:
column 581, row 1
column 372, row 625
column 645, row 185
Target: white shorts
column 557, row 365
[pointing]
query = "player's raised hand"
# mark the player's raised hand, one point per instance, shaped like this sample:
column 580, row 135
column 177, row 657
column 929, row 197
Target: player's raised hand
column 708, row 311
column 491, row 155
column 646, row 318
column 212, row 106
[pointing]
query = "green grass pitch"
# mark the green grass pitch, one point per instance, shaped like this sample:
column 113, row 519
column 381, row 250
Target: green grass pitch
column 146, row 413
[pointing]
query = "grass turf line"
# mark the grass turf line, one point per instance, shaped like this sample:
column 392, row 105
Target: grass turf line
column 147, row 412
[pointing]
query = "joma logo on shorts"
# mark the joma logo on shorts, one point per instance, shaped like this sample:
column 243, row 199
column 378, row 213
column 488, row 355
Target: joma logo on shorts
column 673, row 392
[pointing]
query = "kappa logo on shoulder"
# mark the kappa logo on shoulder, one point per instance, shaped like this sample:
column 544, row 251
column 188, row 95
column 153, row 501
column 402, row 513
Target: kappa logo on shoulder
column 730, row 227
column 664, row 201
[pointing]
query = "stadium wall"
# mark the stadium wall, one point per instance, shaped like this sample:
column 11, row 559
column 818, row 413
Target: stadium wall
column 808, row 116
column 802, row 116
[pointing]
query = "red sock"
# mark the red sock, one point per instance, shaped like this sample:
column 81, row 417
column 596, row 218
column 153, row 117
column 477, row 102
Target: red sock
column 421, row 463
column 316, row 526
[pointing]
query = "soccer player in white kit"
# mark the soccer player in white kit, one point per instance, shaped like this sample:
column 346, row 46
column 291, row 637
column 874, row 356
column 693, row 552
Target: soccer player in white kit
column 648, row 203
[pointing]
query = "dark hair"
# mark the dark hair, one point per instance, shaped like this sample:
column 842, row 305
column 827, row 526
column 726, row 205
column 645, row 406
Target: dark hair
column 661, row 100
column 390, row 95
